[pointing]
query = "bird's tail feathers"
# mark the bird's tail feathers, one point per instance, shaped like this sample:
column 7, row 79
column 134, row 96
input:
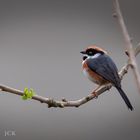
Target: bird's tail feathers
column 125, row 98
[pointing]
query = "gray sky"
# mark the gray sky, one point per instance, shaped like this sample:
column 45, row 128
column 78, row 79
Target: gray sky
column 40, row 43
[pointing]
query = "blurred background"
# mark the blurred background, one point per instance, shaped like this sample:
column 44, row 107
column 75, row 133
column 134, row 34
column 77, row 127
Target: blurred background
column 40, row 43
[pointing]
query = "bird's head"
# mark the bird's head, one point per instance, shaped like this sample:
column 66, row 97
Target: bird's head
column 92, row 52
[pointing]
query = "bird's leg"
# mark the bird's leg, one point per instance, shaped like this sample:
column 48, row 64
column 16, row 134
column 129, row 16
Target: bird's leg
column 95, row 92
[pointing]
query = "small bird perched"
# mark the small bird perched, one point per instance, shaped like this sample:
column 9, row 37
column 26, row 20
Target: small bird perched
column 101, row 69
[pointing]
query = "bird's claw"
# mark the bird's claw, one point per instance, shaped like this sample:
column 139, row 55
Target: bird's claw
column 95, row 95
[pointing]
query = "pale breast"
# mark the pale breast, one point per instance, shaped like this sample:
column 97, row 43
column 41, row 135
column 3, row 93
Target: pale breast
column 91, row 75
column 91, row 78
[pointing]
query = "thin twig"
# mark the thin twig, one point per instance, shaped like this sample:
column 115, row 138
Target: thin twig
column 64, row 102
column 128, row 43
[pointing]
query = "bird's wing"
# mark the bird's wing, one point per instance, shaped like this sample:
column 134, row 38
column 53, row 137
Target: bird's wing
column 105, row 67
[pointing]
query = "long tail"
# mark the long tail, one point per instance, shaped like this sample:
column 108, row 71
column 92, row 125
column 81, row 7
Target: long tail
column 125, row 98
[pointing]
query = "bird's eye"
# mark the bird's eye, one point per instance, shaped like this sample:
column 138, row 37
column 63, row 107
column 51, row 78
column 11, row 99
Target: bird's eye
column 90, row 53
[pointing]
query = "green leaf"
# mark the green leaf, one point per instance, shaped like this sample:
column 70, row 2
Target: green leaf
column 24, row 97
column 28, row 94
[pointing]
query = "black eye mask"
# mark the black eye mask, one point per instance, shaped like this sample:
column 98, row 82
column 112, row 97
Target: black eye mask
column 92, row 52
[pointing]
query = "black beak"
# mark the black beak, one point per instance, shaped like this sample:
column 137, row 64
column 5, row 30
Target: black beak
column 83, row 52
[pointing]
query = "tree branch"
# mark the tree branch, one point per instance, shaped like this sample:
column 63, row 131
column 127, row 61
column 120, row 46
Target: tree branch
column 64, row 103
column 76, row 103
column 128, row 43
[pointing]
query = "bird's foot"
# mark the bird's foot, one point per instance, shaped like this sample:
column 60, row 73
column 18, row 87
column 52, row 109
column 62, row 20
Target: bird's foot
column 95, row 94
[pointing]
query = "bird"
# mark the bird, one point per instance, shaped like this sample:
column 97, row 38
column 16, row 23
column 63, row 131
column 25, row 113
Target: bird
column 99, row 67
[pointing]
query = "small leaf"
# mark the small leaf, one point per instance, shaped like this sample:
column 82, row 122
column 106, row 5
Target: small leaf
column 25, row 90
column 28, row 94
column 24, row 97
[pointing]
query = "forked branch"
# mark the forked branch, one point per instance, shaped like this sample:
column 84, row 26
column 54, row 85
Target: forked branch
column 128, row 42
column 64, row 102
